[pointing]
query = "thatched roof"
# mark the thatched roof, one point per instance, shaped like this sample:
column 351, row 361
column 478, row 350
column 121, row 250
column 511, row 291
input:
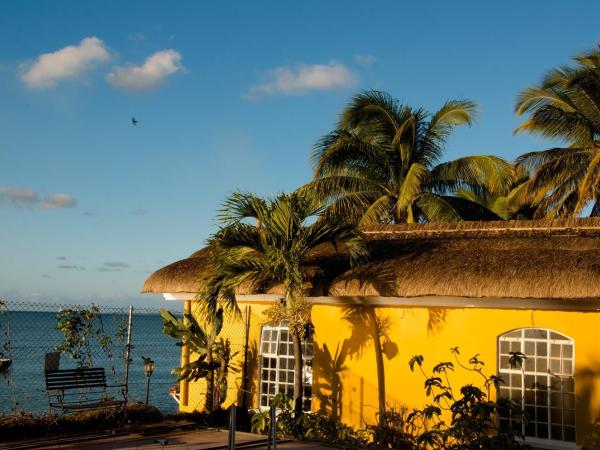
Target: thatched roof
column 550, row 259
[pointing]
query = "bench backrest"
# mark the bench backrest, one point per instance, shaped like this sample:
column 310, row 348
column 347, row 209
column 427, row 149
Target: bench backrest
column 87, row 377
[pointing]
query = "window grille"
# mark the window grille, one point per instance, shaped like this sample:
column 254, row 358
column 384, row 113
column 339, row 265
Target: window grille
column 545, row 386
column 277, row 365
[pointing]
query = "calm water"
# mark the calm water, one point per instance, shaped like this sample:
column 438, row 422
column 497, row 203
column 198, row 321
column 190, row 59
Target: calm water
column 32, row 334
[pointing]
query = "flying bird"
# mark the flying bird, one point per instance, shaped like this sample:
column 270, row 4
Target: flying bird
column 134, row 121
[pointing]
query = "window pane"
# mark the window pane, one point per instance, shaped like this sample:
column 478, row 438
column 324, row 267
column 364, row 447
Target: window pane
column 567, row 351
column 529, row 381
column 515, row 380
column 556, row 415
column 535, row 333
column 541, row 348
column 567, row 367
column 542, row 430
column 569, row 434
column 569, row 384
column 541, row 365
column 557, row 336
column 542, row 414
column 541, row 398
column 555, row 350
column 569, row 416
column 529, row 349
column 556, row 432
column 568, row 401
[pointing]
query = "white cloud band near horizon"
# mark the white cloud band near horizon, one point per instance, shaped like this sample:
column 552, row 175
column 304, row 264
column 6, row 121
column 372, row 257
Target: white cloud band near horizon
column 29, row 198
column 154, row 71
column 303, row 78
column 67, row 63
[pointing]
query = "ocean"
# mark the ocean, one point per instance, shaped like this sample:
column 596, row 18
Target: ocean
column 32, row 334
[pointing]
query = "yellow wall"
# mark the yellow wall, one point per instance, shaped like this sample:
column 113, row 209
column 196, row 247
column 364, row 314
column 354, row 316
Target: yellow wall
column 234, row 330
column 344, row 362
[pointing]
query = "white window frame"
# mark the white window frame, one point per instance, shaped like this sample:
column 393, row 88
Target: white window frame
column 271, row 349
column 525, row 340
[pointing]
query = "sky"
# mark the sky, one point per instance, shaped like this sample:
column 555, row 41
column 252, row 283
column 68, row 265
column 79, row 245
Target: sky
column 228, row 96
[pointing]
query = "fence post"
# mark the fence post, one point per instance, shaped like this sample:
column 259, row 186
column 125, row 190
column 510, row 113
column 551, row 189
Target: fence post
column 128, row 354
column 273, row 440
column 245, row 366
column 232, row 427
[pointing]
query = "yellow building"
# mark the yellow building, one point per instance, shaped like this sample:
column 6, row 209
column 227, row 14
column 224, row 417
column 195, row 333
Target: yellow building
column 487, row 288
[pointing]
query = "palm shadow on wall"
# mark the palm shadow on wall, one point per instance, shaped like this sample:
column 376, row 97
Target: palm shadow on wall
column 588, row 414
column 248, row 387
column 328, row 386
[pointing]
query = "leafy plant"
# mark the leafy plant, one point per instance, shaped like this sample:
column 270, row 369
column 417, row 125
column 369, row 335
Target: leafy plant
column 223, row 355
column 80, row 328
column 382, row 164
column 274, row 250
column 200, row 341
column 474, row 418
column 565, row 106
column 306, row 426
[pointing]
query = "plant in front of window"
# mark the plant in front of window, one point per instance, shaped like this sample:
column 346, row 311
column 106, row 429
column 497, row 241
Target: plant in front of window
column 475, row 420
column 201, row 341
column 274, row 252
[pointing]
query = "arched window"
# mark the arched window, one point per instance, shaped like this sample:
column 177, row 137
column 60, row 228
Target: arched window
column 545, row 385
column 277, row 365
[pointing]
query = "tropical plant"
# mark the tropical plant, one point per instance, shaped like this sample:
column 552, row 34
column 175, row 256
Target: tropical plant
column 565, row 106
column 201, row 341
column 274, row 251
column 508, row 204
column 224, row 356
column 382, row 163
column 80, row 328
column 476, row 421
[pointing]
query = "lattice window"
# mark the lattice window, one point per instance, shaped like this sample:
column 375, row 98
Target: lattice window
column 545, row 386
column 277, row 365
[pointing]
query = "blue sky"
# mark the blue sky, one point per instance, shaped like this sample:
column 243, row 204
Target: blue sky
column 229, row 95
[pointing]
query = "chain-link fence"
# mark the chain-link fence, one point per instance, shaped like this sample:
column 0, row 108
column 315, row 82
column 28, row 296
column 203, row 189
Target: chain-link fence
column 29, row 331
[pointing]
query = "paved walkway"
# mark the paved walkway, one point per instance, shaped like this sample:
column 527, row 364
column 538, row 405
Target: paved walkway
column 181, row 440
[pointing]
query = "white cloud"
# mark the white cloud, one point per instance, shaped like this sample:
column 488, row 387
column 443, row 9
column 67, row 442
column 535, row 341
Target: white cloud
column 155, row 69
column 28, row 198
column 57, row 201
column 365, row 60
column 303, row 78
column 21, row 197
column 68, row 62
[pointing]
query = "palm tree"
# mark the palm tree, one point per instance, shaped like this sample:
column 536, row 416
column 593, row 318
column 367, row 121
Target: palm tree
column 565, row 106
column 273, row 252
column 509, row 204
column 382, row 163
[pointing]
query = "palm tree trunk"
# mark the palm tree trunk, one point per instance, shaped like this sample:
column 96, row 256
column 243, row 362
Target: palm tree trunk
column 210, row 385
column 297, row 346
column 375, row 332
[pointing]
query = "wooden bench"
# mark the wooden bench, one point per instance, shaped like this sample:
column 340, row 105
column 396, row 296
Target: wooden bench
column 81, row 389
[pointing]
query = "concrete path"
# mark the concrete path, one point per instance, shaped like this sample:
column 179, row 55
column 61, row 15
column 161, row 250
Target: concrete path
column 181, row 440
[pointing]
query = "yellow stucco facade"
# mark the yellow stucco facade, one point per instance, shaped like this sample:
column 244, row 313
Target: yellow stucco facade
column 344, row 365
